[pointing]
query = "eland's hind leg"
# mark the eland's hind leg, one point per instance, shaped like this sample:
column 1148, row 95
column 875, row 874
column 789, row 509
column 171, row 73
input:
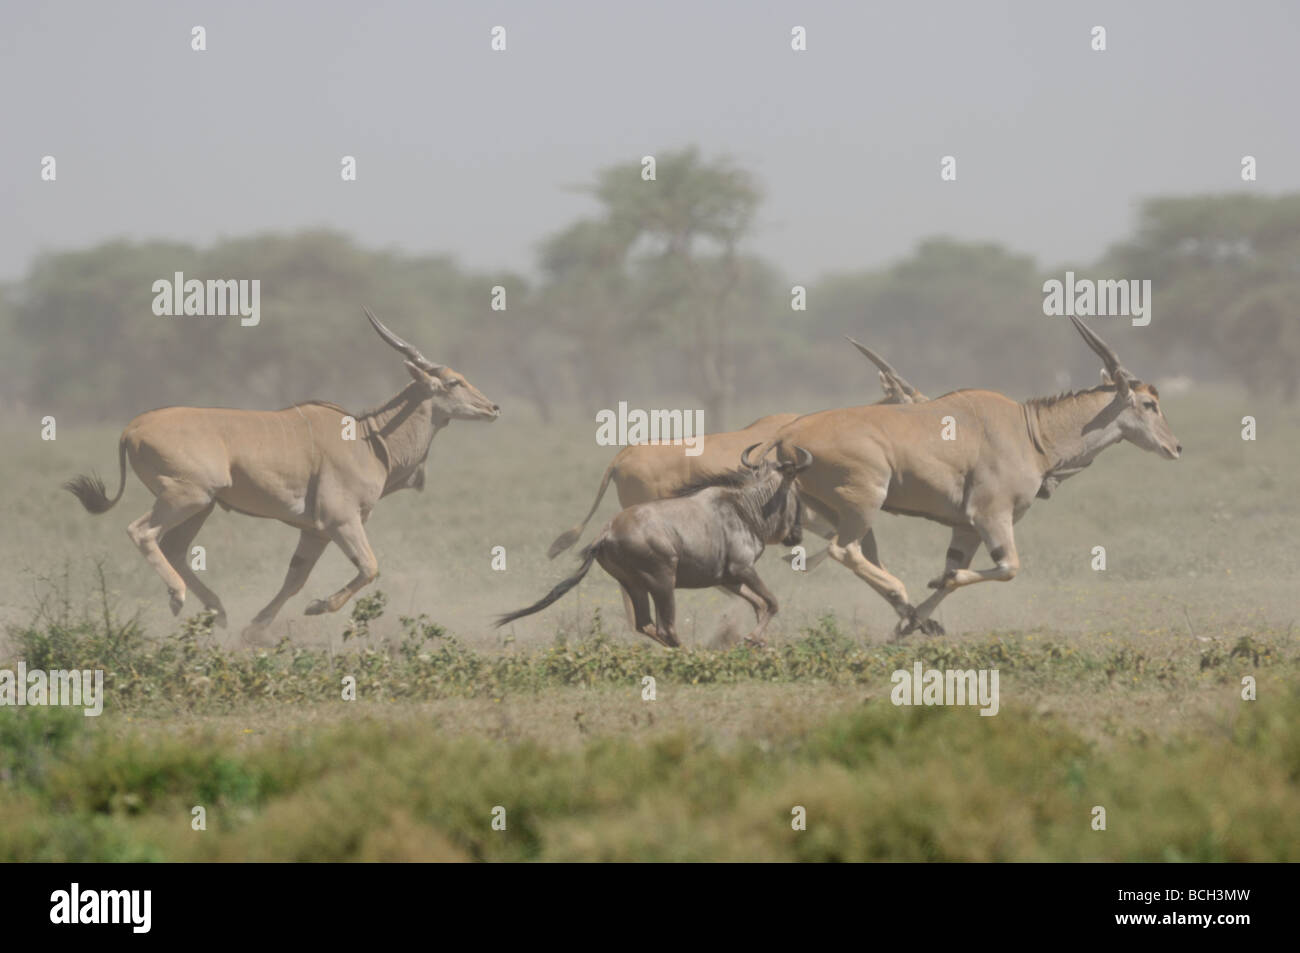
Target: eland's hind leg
column 175, row 545
column 853, row 529
column 176, row 502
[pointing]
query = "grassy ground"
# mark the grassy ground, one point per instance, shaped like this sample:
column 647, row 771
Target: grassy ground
column 1119, row 689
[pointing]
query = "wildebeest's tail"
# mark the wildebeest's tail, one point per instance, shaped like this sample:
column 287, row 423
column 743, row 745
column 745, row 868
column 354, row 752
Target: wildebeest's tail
column 570, row 536
column 588, row 556
column 90, row 489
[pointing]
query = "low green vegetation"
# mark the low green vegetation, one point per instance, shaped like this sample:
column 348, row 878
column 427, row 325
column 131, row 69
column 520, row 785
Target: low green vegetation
column 405, row 774
column 877, row 783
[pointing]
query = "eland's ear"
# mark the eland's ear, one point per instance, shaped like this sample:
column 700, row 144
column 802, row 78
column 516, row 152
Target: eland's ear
column 1123, row 388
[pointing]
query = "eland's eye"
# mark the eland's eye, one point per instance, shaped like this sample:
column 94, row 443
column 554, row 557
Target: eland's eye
column 1149, row 405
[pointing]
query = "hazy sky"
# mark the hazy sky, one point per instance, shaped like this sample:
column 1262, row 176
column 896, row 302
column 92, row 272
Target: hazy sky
column 474, row 153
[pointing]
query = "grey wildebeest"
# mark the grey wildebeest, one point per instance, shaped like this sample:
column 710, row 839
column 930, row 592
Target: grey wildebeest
column 654, row 471
column 709, row 534
column 311, row 466
column 972, row 460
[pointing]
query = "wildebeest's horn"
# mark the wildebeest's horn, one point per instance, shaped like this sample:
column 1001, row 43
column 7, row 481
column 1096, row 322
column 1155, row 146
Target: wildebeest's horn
column 805, row 459
column 394, row 341
column 744, row 457
column 1118, row 374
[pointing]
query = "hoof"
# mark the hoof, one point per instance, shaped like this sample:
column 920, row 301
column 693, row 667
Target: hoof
column 755, row 641
column 319, row 607
column 177, row 602
column 931, row 627
column 908, row 621
column 220, row 620
column 943, row 582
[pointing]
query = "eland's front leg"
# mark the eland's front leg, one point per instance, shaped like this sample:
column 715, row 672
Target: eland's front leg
column 1000, row 540
column 351, row 538
column 310, row 546
column 961, row 550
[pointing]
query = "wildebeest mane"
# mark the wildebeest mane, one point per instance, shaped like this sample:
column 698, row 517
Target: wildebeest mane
column 735, row 479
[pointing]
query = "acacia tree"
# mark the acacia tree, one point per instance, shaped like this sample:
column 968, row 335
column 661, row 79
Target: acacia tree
column 584, row 298
column 1224, row 269
column 662, row 257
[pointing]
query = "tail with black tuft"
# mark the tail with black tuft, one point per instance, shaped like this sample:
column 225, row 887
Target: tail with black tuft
column 571, row 536
column 90, row 490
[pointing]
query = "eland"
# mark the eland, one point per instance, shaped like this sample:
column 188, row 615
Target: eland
column 645, row 472
column 312, row 466
column 972, row 460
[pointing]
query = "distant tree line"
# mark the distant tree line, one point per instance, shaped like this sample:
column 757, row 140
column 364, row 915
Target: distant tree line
column 652, row 299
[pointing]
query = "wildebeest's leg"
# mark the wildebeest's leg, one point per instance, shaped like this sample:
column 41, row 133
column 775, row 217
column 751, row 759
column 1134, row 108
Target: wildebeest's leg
column 175, row 504
column 310, row 546
column 761, row 598
column 175, row 545
column 722, row 638
column 351, row 538
column 636, row 595
column 629, row 609
column 666, row 614
column 961, row 550
column 854, row 527
column 637, row 602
